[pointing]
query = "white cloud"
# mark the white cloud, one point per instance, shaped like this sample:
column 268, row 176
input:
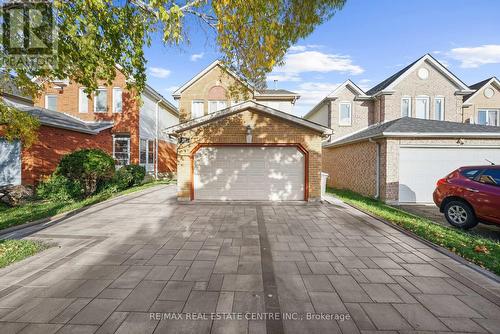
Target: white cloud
column 315, row 61
column 159, row 72
column 171, row 89
column 282, row 77
column 197, row 56
column 295, row 48
column 364, row 84
column 311, row 93
column 474, row 57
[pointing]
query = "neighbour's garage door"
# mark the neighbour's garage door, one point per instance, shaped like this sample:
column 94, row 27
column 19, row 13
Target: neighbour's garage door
column 249, row 173
column 10, row 162
column 421, row 167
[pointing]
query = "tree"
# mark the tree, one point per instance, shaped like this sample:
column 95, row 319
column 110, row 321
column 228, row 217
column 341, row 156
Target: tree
column 95, row 35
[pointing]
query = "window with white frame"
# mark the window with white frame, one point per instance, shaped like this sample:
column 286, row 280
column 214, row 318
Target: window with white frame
column 488, row 117
column 214, row 106
column 51, row 102
column 147, row 154
column 406, row 107
column 345, row 113
column 117, row 99
column 83, row 101
column 422, row 107
column 101, row 100
column 121, row 150
column 439, row 108
column 197, row 109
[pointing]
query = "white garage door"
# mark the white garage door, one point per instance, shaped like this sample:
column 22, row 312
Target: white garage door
column 421, row 167
column 249, row 173
column 10, row 162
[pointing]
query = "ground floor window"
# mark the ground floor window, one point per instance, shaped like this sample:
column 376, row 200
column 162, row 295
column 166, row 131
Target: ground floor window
column 147, row 154
column 121, row 150
column 488, row 117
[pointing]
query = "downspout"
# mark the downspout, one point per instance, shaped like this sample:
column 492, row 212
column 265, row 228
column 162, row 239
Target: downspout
column 377, row 168
column 156, row 137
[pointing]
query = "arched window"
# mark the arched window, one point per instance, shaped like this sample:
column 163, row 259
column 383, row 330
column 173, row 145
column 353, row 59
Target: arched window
column 217, row 98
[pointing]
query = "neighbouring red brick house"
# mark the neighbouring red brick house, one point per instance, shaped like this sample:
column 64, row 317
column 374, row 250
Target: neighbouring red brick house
column 111, row 119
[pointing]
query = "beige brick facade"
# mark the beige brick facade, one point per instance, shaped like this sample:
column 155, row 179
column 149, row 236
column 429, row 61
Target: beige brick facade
column 480, row 101
column 351, row 167
column 267, row 129
column 360, row 110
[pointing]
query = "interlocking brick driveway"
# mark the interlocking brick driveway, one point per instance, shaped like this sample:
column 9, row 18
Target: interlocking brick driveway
column 143, row 253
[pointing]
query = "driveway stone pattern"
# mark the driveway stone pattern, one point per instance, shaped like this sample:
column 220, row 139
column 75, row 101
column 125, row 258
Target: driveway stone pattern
column 120, row 261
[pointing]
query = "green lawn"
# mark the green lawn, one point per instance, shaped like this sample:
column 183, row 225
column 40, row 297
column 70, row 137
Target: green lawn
column 481, row 251
column 15, row 250
column 43, row 209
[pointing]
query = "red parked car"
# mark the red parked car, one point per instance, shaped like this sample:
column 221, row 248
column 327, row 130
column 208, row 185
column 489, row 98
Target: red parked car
column 470, row 195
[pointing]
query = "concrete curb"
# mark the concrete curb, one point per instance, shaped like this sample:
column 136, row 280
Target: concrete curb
column 438, row 248
column 49, row 221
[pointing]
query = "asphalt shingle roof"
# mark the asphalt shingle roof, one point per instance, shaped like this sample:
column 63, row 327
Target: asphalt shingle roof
column 276, row 92
column 416, row 125
column 61, row 120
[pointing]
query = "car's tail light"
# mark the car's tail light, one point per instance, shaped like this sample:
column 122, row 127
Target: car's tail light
column 441, row 181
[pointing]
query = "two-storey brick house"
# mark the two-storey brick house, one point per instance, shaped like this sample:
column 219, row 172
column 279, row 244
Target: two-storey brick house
column 111, row 119
column 248, row 147
column 397, row 139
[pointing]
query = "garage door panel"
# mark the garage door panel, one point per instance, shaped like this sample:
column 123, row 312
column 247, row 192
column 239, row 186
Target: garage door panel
column 421, row 167
column 249, row 173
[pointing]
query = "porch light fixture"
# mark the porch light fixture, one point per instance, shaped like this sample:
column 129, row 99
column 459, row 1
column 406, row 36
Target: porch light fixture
column 249, row 134
column 183, row 140
column 460, row 141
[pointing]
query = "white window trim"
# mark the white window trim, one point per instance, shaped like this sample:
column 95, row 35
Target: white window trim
column 423, row 97
column 115, row 89
column 219, row 102
column 442, row 107
column 409, row 105
column 128, row 147
column 47, row 100
column 147, row 154
column 192, row 108
column 340, row 113
column 95, row 100
column 82, row 95
column 487, row 112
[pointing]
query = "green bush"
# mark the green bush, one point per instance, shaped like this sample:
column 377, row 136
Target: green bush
column 90, row 167
column 59, row 188
column 123, row 178
column 138, row 173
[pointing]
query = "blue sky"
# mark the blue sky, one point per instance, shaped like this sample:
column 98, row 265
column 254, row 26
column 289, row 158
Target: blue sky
column 366, row 42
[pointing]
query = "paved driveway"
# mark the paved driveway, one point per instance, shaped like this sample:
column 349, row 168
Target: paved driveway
column 121, row 260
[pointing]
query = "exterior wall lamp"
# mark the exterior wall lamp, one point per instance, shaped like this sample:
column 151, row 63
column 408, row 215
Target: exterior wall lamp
column 249, row 134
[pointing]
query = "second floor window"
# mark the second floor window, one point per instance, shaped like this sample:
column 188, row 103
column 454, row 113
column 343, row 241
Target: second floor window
column 422, row 107
column 51, row 102
column 101, row 100
column 197, row 109
column 214, row 106
column 345, row 113
column 439, row 108
column 117, row 99
column 488, row 117
column 83, row 101
column 406, row 107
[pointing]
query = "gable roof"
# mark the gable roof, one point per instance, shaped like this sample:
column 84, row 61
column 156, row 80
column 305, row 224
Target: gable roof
column 275, row 92
column 416, row 127
column 334, row 94
column 9, row 88
column 152, row 92
column 63, row 121
column 176, row 129
column 388, row 84
column 478, row 86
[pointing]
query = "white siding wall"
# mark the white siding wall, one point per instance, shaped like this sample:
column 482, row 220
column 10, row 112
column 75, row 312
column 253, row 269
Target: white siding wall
column 285, row 106
column 148, row 118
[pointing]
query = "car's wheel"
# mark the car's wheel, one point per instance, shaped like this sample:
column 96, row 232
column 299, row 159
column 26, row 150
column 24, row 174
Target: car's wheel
column 460, row 214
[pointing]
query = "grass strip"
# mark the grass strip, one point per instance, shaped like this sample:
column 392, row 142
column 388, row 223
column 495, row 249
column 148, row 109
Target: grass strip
column 16, row 250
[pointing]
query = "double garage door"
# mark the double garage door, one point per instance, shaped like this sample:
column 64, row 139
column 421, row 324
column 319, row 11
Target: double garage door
column 261, row 173
column 10, row 162
column 421, row 167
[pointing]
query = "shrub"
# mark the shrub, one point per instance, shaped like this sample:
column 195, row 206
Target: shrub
column 123, row 178
column 89, row 167
column 138, row 174
column 59, row 188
